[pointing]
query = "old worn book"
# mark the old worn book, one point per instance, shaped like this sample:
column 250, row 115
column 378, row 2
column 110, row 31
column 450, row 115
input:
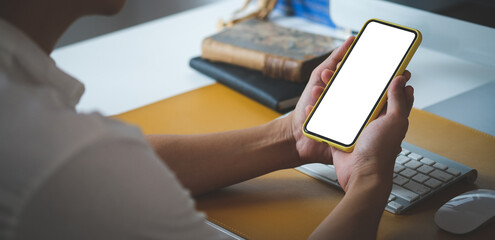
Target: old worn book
column 276, row 51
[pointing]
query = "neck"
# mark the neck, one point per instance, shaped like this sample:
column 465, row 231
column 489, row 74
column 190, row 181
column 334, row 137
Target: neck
column 43, row 22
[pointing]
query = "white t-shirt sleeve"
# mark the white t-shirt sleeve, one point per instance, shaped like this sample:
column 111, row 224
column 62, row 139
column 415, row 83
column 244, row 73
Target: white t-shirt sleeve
column 113, row 190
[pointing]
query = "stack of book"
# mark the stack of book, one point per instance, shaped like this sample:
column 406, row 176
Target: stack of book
column 266, row 62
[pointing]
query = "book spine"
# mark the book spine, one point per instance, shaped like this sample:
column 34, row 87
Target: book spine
column 282, row 68
column 270, row 65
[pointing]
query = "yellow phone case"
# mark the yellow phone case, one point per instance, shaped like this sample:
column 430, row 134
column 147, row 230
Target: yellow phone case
column 383, row 99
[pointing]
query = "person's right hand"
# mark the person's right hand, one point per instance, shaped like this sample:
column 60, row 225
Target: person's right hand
column 379, row 143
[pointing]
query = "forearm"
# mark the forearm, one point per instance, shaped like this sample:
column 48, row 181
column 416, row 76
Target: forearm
column 358, row 214
column 210, row 161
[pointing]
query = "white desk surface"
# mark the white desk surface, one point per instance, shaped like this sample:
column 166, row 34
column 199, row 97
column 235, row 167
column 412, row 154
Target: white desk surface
column 149, row 62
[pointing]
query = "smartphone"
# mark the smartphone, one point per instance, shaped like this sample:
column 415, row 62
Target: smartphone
column 357, row 91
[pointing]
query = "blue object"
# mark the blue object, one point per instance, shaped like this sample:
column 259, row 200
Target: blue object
column 313, row 10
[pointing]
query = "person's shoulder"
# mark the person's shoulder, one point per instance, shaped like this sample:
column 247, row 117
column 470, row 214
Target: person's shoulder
column 40, row 133
column 39, row 122
column 96, row 126
column 30, row 124
column 39, row 117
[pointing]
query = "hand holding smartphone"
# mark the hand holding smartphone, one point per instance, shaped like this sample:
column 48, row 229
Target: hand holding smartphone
column 357, row 91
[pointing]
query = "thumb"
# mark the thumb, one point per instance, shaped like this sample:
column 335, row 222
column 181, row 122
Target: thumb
column 396, row 100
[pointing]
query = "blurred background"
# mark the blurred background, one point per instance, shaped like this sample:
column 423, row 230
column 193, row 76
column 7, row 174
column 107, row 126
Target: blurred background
column 134, row 12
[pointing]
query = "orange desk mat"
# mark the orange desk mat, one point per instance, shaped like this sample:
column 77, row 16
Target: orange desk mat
column 288, row 204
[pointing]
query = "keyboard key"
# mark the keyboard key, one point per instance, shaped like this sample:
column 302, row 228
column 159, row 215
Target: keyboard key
column 420, row 178
column 427, row 161
column 413, row 164
column 398, row 168
column 425, row 169
column 453, row 171
column 404, row 152
column 400, row 180
column 395, row 206
column 440, row 166
column 417, row 187
column 391, row 197
column 433, row 183
column 414, row 156
column 402, row 159
column 408, row 172
column 441, row 175
column 404, row 193
column 395, row 175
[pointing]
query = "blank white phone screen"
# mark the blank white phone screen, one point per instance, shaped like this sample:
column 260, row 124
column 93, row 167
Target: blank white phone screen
column 360, row 82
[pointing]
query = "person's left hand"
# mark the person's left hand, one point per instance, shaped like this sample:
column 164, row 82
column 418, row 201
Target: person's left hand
column 308, row 149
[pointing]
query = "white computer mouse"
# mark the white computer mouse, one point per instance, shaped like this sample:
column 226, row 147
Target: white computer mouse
column 467, row 211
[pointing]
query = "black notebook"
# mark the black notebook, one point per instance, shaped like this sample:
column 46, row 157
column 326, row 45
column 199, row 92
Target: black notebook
column 277, row 94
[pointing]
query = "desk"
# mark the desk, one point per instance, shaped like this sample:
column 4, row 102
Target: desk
column 288, row 204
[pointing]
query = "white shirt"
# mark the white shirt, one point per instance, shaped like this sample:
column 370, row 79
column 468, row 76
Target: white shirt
column 65, row 175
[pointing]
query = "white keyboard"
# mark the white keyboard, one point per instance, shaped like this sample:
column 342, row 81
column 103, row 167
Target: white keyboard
column 417, row 175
